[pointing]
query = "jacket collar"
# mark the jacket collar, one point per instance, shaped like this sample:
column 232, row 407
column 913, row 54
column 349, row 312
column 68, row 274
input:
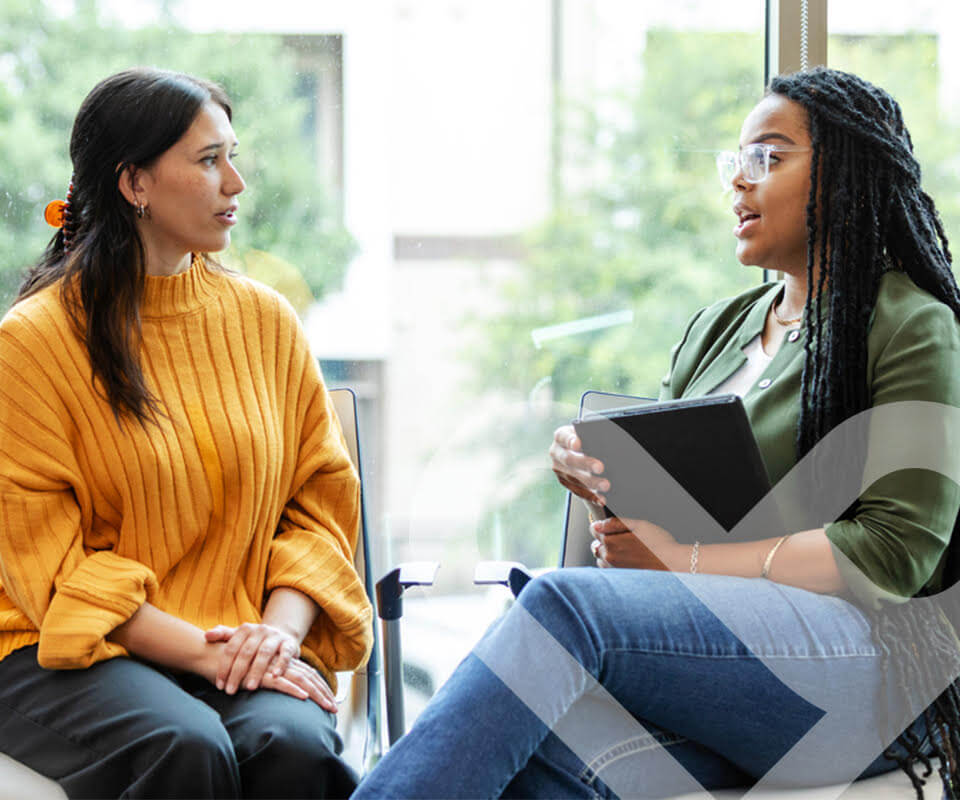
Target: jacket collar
column 757, row 315
column 732, row 357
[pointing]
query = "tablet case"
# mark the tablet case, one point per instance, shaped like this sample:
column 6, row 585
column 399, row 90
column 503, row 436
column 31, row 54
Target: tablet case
column 703, row 444
column 575, row 548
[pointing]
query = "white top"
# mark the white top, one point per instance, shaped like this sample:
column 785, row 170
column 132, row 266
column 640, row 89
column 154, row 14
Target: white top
column 740, row 382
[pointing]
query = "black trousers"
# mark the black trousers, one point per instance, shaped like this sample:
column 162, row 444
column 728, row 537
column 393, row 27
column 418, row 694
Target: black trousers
column 125, row 729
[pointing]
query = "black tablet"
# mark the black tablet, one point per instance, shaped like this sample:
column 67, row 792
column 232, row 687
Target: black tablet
column 661, row 458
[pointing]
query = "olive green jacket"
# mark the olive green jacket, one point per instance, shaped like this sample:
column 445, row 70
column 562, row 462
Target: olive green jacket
column 897, row 538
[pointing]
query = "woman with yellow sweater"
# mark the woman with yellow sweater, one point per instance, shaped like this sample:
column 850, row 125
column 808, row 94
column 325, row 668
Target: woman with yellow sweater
column 179, row 512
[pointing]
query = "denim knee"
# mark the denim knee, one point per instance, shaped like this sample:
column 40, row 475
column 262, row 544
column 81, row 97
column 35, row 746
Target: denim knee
column 579, row 591
column 548, row 593
column 559, row 601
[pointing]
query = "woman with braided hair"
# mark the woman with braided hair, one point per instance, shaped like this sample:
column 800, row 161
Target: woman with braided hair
column 179, row 510
column 796, row 660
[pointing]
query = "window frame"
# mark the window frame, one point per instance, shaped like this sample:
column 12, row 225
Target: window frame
column 795, row 37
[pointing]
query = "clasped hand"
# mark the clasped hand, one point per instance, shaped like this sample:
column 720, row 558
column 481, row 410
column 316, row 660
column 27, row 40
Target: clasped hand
column 257, row 656
column 634, row 544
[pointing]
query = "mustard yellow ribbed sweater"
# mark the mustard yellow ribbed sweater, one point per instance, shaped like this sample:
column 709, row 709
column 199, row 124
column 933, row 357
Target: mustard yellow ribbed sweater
column 244, row 486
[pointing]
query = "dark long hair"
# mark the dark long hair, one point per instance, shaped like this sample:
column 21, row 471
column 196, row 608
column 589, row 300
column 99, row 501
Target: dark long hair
column 871, row 215
column 128, row 120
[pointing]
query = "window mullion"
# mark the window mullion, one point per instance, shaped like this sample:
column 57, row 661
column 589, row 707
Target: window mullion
column 796, row 32
column 796, row 37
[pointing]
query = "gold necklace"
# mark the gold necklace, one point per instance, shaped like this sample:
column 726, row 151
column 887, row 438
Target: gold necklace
column 781, row 321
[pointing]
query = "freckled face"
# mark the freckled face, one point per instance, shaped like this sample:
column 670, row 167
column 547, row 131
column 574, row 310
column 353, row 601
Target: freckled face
column 190, row 191
column 772, row 229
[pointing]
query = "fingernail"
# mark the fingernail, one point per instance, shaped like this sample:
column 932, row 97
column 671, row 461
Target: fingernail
column 251, row 685
column 605, row 486
column 219, row 684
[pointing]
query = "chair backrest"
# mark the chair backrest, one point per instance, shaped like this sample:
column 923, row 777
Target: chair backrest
column 360, row 722
column 345, row 404
column 575, row 550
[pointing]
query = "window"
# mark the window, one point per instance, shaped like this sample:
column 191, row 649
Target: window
column 480, row 209
column 909, row 50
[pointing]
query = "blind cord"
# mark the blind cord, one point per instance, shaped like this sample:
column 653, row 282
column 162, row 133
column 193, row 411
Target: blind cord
column 804, row 34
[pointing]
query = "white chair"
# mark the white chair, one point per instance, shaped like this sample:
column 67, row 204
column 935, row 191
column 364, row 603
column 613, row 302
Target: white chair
column 360, row 717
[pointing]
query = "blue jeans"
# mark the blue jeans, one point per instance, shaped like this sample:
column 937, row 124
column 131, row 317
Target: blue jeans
column 629, row 682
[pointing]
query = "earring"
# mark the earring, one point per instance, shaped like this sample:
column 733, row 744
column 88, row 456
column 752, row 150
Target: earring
column 140, row 210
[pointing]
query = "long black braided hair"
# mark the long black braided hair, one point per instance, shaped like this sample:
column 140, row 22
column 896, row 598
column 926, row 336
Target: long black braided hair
column 871, row 216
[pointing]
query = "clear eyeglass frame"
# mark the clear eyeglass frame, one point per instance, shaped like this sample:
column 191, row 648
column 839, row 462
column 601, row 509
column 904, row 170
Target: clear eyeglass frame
column 753, row 161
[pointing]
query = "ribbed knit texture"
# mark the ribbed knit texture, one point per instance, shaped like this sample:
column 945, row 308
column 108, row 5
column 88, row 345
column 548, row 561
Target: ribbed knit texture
column 244, row 486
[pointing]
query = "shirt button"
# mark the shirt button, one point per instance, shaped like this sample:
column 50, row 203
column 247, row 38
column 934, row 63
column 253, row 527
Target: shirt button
column 793, row 336
column 764, row 383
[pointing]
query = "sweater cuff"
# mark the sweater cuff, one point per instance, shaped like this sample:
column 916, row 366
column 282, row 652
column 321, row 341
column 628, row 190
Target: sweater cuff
column 102, row 593
column 342, row 635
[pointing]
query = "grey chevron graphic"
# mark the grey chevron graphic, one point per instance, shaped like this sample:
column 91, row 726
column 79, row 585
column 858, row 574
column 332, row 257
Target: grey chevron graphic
column 864, row 449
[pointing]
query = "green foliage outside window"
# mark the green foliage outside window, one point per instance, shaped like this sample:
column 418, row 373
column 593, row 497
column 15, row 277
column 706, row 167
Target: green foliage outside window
column 643, row 227
column 51, row 61
column 907, row 67
column 649, row 231
column 640, row 224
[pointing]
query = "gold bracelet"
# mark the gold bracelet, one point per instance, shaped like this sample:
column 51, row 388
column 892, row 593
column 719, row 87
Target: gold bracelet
column 769, row 559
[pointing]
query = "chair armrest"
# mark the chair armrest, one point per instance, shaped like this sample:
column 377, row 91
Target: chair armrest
column 505, row 573
column 390, row 588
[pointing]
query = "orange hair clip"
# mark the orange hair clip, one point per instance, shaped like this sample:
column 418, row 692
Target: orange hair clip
column 54, row 212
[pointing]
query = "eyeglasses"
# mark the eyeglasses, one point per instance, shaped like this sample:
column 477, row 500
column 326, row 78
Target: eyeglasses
column 753, row 161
